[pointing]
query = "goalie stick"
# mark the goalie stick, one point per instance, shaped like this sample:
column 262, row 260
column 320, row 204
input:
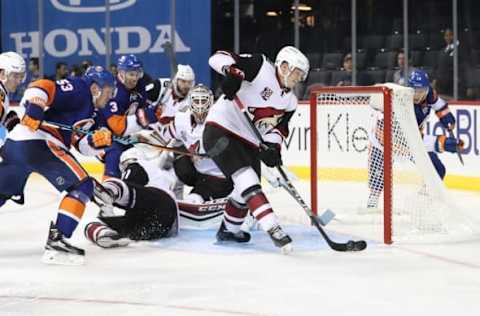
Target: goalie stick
column 350, row 245
column 220, row 145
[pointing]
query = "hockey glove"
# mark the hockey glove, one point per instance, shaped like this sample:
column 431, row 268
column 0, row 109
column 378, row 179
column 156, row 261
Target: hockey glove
column 447, row 119
column 270, row 154
column 33, row 116
column 232, row 82
column 449, row 144
column 100, row 138
column 11, row 120
column 148, row 115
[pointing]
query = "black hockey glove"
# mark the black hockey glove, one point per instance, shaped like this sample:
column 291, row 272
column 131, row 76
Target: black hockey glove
column 232, row 82
column 11, row 120
column 270, row 154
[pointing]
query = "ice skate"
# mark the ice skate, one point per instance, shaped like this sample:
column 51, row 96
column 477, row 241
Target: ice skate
column 280, row 239
column 223, row 235
column 59, row 251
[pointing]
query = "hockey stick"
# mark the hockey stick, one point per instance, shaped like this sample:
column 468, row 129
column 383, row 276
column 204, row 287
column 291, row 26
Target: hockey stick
column 459, row 154
column 350, row 245
column 139, row 139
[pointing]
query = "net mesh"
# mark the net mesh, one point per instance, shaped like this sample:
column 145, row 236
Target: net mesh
column 351, row 137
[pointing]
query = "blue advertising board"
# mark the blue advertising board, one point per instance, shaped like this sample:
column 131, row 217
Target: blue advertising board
column 74, row 31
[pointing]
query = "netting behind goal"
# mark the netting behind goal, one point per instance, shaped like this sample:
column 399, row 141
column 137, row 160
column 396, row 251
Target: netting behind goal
column 373, row 169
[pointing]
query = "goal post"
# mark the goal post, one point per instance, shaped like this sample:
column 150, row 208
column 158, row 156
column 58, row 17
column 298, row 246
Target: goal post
column 369, row 163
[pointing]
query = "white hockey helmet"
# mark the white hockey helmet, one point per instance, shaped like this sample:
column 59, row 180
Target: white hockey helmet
column 295, row 59
column 200, row 100
column 185, row 73
column 12, row 62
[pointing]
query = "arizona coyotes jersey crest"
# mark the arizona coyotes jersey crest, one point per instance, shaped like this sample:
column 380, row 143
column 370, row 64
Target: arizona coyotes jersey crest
column 264, row 98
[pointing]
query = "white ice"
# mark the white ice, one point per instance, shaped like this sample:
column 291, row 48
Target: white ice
column 191, row 275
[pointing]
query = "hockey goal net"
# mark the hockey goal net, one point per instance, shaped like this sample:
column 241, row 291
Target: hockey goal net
column 369, row 164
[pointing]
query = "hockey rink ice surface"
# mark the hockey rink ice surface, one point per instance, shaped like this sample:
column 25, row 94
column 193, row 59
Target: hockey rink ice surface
column 192, row 275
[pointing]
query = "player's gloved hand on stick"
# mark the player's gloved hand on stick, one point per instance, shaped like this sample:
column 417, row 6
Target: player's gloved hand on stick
column 270, row 154
column 148, row 115
column 33, row 116
column 100, row 138
column 11, row 120
column 449, row 144
column 232, row 82
column 447, row 119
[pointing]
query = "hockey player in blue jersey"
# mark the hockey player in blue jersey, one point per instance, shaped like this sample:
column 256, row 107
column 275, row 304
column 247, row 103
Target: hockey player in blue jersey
column 36, row 146
column 425, row 100
column 126, row 112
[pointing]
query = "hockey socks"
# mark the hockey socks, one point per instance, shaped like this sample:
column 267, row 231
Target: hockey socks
column 103, row 236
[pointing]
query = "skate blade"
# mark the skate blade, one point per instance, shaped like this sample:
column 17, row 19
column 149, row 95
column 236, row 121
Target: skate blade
column 62, row 258
column 107, row 242
column 286, row 249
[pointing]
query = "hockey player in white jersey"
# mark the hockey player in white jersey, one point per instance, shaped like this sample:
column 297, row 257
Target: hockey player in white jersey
column 202, row 174
column 12, row 74
column 266, row 90
column 172, row 94
column 141, row 206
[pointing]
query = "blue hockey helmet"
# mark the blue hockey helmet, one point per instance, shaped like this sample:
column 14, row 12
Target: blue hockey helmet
column 100, row 76
column 418, row 79
column 129, row 63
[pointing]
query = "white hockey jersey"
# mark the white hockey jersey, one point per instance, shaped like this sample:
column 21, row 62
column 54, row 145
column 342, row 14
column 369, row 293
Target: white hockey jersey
column 266, row 100
column 185, row 130
column 161, row 92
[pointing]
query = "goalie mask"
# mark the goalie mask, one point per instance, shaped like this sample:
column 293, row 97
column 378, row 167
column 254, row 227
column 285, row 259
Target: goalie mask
column 200, row 99
column 183, row 81
column 14, row 70
column 298, row 66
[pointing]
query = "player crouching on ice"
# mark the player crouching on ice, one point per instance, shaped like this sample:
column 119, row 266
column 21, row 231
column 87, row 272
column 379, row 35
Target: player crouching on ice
column 36, row 146
column 266, row 90
column 424, row 100
column 153, row 212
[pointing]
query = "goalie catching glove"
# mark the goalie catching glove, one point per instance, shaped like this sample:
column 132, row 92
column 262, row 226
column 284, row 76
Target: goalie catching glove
column 270, row 154
column 232, row 82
